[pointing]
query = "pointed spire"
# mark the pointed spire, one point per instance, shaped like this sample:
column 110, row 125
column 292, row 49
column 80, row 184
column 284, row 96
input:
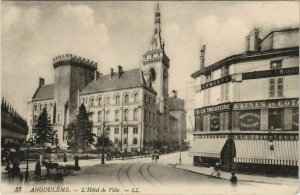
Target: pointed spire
column 157, row 14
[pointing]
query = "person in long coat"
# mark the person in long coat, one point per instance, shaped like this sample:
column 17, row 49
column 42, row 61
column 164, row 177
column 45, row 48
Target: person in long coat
column 38, row 170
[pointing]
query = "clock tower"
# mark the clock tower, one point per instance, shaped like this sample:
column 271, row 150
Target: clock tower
column 155, row 66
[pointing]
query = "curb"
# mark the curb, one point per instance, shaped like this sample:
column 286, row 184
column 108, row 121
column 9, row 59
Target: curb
column 243, row 180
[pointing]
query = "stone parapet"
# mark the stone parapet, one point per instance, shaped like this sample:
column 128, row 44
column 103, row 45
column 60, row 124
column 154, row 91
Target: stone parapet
column 70, row 59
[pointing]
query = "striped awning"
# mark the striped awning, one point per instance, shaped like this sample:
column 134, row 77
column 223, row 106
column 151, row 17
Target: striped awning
column 259, row 152
column 207, row 147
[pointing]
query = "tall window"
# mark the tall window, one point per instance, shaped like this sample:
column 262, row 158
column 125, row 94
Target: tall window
column 135, row 130
column 51, row 106
column 145, row 115
column 276, row 64
column 41, row 107
column 100, row 101
column 116, row 130
column 92, row 102
column 224, row 71
column 107, row 116
column 134, row 141
column 126, row 99
column 135, row 114
column 118, row 100
column 117, row 115
column 99, row 131
column 107, row 100
column 35, row 107
column 276, row 87
column 116, row 140
column 224, row 92
column 99, row 116
column 125, row 140
column 58, row 117
column 145, row 99
column 125, row 130
column 126, row 111
column 136, row 97
column 150, row 100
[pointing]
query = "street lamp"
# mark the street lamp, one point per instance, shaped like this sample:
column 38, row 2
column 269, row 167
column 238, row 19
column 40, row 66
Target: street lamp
column 28, row 143
column 180, row 152
column 105, row 132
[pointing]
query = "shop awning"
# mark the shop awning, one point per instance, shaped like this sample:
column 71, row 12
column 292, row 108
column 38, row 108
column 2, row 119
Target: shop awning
column 207, row 147
column 259, row 152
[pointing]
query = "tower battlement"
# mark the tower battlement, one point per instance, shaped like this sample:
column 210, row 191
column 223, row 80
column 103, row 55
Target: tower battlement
column 70, row 59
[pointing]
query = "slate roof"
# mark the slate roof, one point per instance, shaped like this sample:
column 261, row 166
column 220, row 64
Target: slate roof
column 44, row 92
column 128, row 79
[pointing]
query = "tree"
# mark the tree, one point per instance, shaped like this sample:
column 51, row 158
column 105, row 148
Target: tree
column 80, row 134
column 44, row 130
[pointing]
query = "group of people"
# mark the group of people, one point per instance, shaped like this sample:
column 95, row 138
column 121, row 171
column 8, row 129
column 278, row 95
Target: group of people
column 155, row 156
column 14, row 172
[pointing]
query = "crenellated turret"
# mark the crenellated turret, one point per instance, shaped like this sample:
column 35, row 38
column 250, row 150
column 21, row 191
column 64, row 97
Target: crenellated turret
column 70, row 59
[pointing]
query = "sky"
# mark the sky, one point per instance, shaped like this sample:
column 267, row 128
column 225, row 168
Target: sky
column 119, row 33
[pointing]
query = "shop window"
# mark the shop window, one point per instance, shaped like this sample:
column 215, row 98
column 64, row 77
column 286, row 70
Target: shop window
column 295, row 119
column 215, row 122
column 275, row 119
column 249, row 120
column 276, row 64
column 275, row 87
column 224, row 71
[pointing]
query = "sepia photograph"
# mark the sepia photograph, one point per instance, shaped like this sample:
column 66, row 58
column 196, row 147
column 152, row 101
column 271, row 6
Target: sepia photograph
column 149, row 97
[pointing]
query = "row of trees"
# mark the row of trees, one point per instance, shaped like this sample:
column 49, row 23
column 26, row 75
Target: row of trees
column 79, row 131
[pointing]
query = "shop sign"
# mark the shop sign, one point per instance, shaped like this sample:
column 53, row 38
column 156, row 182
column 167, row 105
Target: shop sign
column 218, row 108
column 249, row 120
column 266, row 104
column 270, row 73
column 213, row 83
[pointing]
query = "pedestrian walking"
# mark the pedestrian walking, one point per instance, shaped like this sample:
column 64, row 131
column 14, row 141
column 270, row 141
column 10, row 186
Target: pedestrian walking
column 77, row 163
column 65, row 157
column 233, row 179
column 153, row 156
column 156, row 157
column 215, row 172
column 38, row 170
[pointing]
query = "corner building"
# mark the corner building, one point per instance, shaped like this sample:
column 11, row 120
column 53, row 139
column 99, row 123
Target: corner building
column 247, row 111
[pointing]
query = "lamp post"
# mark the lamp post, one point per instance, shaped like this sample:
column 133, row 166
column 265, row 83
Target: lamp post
column 105, row 131
column 28, row 143
column 180, row 152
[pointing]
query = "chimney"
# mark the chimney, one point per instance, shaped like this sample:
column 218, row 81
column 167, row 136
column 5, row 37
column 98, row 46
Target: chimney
column 174, row 93
column 97, row 74
column 111, row 72
column 120, row 70
column 202, row 57
column 253, row 40
column 41, row 82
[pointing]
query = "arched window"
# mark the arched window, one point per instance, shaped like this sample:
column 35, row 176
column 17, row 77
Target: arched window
column 92, row 102
column 107, row 100
column 99, row 116
column 118, row 100
column 150, row 100
column 126, row 111
column 136, row 97
column 100, row 101
column 134, row 141
column 45, row 106
column 107, row 116
column 117, row 115
column 126, row 99
column 51, row 106
column 41, row 107
column 35, row 107
column 135, row 114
